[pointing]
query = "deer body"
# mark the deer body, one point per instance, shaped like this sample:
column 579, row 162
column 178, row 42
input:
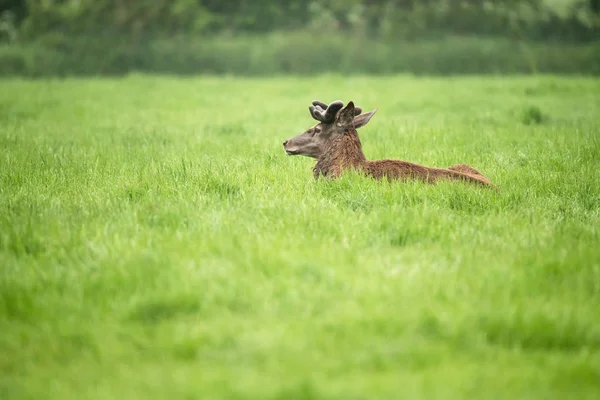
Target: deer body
column 334, row 142
column 345, row 152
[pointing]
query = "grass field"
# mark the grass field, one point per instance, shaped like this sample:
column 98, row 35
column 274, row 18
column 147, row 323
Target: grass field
column 156, row 242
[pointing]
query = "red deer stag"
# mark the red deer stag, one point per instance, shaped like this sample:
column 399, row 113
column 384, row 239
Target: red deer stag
column 334, row 143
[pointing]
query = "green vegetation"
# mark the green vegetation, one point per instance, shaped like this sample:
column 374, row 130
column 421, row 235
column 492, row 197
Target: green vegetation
column 299, row 53
column 265, row 37
column 157, row 243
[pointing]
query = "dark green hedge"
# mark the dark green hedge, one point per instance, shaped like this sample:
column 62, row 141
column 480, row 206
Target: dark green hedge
column 298, row 54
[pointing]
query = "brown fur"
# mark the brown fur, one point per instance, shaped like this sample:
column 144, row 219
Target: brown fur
column 334, row 142
column 345, row 152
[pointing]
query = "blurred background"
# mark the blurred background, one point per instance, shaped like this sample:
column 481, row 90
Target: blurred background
column 265, row 37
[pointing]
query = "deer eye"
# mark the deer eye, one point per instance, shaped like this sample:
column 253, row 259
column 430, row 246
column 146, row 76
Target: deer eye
column 316, row 130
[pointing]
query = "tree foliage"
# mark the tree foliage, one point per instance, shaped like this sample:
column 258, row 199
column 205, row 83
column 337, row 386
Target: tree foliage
column 388, row 19
column 70, row 37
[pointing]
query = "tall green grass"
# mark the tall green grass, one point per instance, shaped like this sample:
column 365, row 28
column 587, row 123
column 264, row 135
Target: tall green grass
column 155, row 241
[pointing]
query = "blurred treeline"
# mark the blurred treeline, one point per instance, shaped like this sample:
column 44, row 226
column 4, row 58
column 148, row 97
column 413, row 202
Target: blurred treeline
column 254, row 37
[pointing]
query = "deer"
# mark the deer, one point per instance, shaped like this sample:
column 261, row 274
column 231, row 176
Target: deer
column 335, row 144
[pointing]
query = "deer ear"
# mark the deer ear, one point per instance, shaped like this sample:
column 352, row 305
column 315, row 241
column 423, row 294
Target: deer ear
column 346, row 115
column 363, row 119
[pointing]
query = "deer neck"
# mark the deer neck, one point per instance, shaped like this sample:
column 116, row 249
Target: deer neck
column 344, row 152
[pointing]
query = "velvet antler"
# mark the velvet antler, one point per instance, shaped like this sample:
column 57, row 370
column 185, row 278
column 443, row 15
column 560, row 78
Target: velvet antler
column 326, row 113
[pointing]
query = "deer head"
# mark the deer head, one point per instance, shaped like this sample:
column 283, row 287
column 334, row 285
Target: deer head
column 334, row 120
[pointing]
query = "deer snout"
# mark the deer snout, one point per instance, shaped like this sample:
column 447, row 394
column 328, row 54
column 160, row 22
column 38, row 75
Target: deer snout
column 285, row 142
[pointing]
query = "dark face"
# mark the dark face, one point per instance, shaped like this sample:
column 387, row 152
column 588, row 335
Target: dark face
column 314, row 142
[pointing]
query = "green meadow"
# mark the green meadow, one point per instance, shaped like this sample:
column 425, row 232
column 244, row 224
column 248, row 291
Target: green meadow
column 156, row 241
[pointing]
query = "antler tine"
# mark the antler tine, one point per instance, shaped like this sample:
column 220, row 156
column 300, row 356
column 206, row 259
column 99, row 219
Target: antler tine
column 332, row 110
column 323, row 112
column 318, row 103
column 317, row 110
column 316, row 114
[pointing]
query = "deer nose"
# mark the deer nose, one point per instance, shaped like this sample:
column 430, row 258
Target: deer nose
column 284, row 143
